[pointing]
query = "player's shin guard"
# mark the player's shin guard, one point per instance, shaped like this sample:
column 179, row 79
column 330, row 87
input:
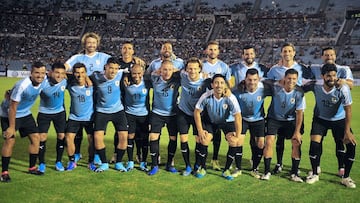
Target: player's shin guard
column 5, row 161
column 203, row 152
column 102, row 155
column 78, row 141
column 197, row 156
column 314, row 154
column 257, row 158
column 230, row 156
column 42, row 150
column 60, row 146
column 171, row 151
column 238, row 156
column 144, row 149
column 130, row 149
column 116, row 141
column 340, row 153
column 185, row 152
column 295, row 165
column 267, row 162
column 119, row 155
column 216, row 144
column 32, row 160
column 280, row 146
column 349, row 158
column 154, row 152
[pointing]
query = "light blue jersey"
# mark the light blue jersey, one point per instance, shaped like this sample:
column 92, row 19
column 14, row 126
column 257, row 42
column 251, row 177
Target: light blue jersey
column 252, row 103
column 218, row 110
column 93, row 63
column 343, row 72
column 52, row 97
column 218, row 68
column 238, row 70
column 25, row 93
column 165, row 94
column 155, row 64
column 330, row 105
column 107, row 92
column 278, row 72
column 82, row 104
column 136, row 99
column 191, row 92
column 284, row 104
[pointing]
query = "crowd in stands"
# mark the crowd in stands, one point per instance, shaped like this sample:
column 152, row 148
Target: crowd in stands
column 171, row 21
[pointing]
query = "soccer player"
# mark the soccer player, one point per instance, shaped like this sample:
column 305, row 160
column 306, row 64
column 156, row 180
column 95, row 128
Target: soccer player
column 277, row 72
column 285, row 114
column 193, row 85
column 94, row 61
column 52, row 109
column 136, row 102
column 211, row 66
column 332, row 111
column 344, row 76
column 127, row 61
column 165, row 93
column 238, row 70
column 81, row 114
column 166, row 53
column 109, row 107
column 251, row 95
column 23, row 96
column 217, row 110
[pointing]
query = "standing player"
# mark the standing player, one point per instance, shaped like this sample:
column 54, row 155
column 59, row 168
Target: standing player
column 109, row 107
column 81, row 114
column 23, row 96
column 193, row 85
column 238, row 70
column 277, row 72
column 211, row 66
column 285, row 114
column 52, row 109
column 136, row 102
column 218, row 109
column 251, row 97
column 127, row 61
column 166, row 53
column 332, row 111
column 344, row 76
column 166, row 90
column 94, row 61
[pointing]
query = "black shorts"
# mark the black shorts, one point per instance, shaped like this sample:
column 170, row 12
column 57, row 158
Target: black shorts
column 321, row 126
column 256, row 128
column 157, row 122
column 137, row 124
column 184, row 121
column 26, row 125
column 118, row 119
column 74, row 126
column 225, row 127
column 282, row 128
column 58, row 119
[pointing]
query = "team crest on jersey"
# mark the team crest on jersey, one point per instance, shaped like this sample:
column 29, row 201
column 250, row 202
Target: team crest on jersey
column 117, row 83
column 292, row 100
column 88, row 93
column 144, row 90
column 98, row 62
column 218, row 70
column 334, row 99
column 172, row 86
column 62, row 88
column 258, row 98
column 225, row 106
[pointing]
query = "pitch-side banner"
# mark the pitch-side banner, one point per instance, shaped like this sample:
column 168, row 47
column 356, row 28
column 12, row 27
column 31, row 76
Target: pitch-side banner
column 18, row 74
